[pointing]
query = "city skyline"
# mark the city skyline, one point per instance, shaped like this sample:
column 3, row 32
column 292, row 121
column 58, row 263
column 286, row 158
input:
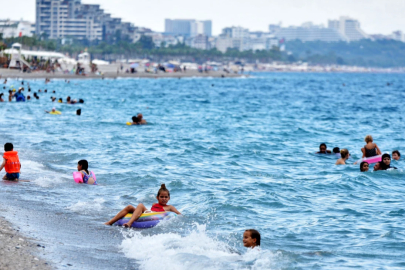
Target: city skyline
column 375, row 16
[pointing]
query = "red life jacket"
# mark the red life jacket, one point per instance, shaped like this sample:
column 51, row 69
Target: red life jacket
column 157, row 208
column 12, row 162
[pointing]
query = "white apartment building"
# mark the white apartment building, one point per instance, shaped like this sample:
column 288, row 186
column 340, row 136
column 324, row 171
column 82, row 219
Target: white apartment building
column 11, row 29
column 309, row 32
column 188, row 28
column 349, row 28
column 56, row 19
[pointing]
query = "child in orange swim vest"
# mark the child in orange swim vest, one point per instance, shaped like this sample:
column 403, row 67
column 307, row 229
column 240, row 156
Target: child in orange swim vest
column 11, row 163
column 163, row 198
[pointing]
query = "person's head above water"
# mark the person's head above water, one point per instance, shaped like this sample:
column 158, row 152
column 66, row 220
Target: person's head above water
column 336, row 150
column 368, row 139
column 251, row 238
column 364, row 166
column 140, row 116
column 344, row 153
column 163, row 195
column 135, row 119
column 377, row 166
column 385, row 161
column 54, row 109
column 396, row 155
column 322, row 148
column 83, row 165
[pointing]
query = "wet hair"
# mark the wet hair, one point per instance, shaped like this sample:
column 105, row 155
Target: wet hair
column 163, row 188
column 254, row 234
column 84, row 164
column 368, row 139
column 81, row 101
column 396, row 152
column 336, row 150
column 344, row 153
column 135, row 119
column 382, row 164
column 361, row 165
column 8, row 147
column 68, row 98
column 322, row 144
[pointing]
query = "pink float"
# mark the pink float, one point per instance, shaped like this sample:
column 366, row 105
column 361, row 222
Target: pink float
column 78, row 177
column 370, row 160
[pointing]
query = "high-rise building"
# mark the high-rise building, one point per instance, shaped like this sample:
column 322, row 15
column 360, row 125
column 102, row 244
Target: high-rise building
column 348, row 27
column 188, row 27
column 71, row 19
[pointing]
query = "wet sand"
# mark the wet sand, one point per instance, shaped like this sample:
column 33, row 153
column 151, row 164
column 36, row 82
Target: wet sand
column 17, row 251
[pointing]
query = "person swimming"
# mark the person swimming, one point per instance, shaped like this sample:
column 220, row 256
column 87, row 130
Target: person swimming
column 88, row 176
column 364, row 166
column 323, row 149
column 377, row 166
column 344, row 153
column 396, row 155
column 370, row 149
column 386, row 162
column 251, row 238
column 135, row 120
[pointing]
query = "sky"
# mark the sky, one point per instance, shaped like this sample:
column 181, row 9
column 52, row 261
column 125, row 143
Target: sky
column 375, row 16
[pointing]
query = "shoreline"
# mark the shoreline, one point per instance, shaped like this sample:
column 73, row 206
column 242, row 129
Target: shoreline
column 17, row 251
column 6, row 73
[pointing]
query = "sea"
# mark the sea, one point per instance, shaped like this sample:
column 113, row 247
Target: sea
column 235, row 153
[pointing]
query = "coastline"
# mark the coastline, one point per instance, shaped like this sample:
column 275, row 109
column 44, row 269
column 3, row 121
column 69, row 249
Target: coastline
column 17, row 251
column 7, row 73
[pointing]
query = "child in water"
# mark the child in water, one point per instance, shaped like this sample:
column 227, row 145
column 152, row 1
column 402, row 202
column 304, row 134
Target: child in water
column 364, row 166
column 163, row 197
column 344, row 153
column 11, row 163
column 370, row 149
column 396, row 155
column 251, row 238
column 88, row 177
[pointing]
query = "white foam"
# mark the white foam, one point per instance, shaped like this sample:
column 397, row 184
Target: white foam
column 36, row 173
column 87, row 206
column 193, row 251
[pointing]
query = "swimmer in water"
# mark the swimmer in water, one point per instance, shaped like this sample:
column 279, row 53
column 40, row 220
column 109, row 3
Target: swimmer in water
column 323, row 149
column 336, row 151
column 344, row 153
column 251, row 238
column 370, row 149
column 396, row 155
column 135, row 121
column 141, row 120
column 163, row 197
column 364, row 166
column 88, row 177
column 386, row 162
column 377, row 166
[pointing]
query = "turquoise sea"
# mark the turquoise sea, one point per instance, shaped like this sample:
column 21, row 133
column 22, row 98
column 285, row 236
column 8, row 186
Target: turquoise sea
column 235, row 154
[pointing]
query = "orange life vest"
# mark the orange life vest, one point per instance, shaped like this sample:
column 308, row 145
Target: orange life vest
column 12, row 162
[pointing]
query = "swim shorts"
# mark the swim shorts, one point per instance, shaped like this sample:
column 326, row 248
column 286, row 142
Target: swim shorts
column 12, row 176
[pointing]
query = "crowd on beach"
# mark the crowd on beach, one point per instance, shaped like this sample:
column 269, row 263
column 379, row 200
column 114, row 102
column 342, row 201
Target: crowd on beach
column 371, row 153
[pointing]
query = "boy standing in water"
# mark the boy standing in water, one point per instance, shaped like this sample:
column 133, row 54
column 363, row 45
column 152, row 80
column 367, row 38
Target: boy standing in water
column 11, row 163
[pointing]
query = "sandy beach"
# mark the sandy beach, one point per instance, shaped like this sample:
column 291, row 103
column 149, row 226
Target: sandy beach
column 17, row 251
column 10, row 73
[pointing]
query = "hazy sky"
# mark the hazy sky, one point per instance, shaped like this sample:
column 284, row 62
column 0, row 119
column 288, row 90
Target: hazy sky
column 375, row 16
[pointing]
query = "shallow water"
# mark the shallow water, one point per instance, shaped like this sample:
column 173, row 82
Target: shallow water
column 235, row 154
